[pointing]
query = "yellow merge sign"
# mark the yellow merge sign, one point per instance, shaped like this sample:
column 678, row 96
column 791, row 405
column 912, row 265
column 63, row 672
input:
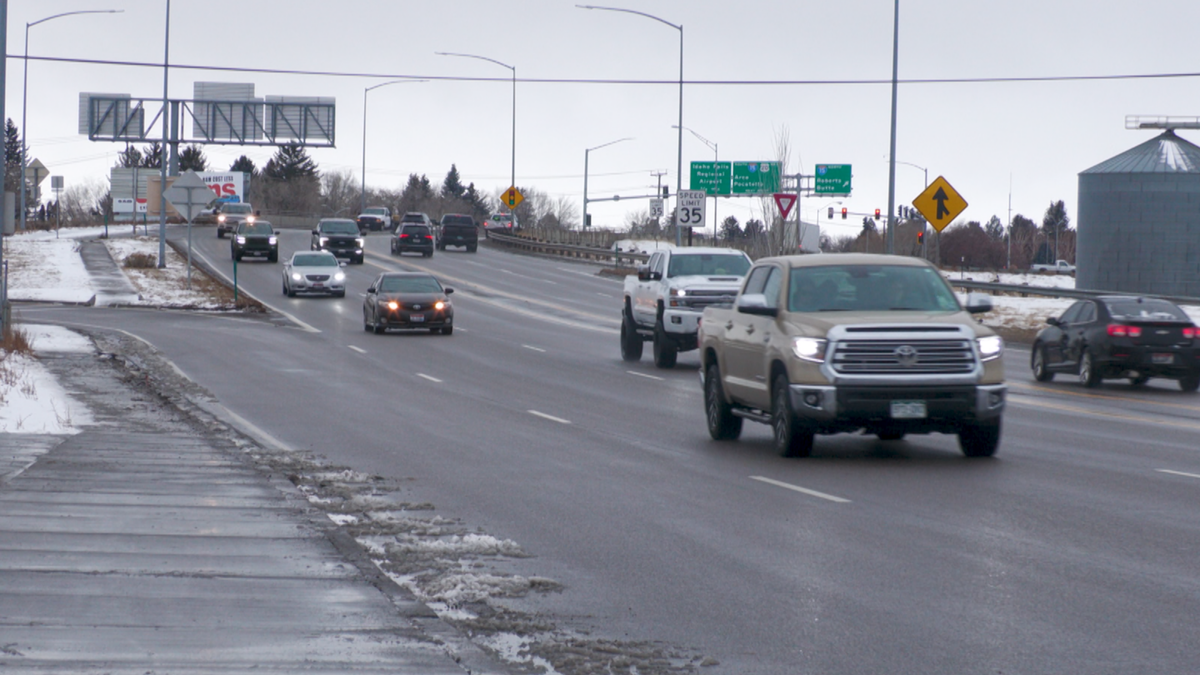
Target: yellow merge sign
column 940, row 204
column 512, row 197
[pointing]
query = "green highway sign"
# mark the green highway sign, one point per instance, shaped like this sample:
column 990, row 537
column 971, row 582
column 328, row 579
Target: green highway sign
column 832, row 179
column 755, row 178
column 712, row 177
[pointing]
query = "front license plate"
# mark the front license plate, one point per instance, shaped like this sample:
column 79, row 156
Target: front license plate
column 1162, row 359
column 908, row 410
column 417, row 318
column 318, row 285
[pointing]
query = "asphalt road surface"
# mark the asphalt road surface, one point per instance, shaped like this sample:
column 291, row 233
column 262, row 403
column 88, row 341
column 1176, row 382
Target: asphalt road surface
column 1076, row 549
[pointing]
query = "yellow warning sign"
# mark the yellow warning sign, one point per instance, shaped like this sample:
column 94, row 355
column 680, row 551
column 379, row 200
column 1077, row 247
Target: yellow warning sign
column 940, row 203
column 512, row 197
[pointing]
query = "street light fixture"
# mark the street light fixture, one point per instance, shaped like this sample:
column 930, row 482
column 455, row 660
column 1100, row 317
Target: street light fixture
column 25, row 94
column 513, row 180
column 678, row 27
column 716, row 160
column 585, row 174
column 823, row 207
column 363, row 197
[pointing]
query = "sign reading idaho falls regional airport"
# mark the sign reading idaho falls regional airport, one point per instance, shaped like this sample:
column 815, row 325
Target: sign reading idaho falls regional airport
column 940, row 203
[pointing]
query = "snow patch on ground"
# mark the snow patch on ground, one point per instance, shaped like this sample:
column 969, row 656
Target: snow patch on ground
column 32, row 401
column 46, row 270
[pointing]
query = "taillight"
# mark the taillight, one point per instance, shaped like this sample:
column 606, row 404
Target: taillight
column 1190, row 332
column 404, row 236
column 1119, row 330
column 429, row 236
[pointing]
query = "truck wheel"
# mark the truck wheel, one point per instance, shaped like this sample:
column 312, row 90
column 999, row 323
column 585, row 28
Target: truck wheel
column 631, row 342
column 792, row 437
column 723, row 425
column 980, row 439
column 1190, row 383
column 1088, row 375
column 665, row 351
column 1038, row 363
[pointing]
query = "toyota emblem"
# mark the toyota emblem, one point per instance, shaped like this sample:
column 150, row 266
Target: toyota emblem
column 906, row 355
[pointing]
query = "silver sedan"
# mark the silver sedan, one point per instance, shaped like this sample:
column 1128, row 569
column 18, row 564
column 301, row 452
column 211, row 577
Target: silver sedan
column 314, row 272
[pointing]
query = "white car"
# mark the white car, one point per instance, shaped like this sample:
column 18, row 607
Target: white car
column 314, row 272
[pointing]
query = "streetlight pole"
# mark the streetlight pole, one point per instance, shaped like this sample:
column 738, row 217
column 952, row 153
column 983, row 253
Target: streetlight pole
column 25, row 94
column 585, row 175
column 716, row 160
column 363, row 197
column 679, row 164
column 891, row 237
column 513, row 180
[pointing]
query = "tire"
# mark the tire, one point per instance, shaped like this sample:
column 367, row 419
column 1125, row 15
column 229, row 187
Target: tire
column 980, row 440
column 366, row 321
column 273, row 257
column 339, row 294
column 472, row 248
column 1139, row 380
column 1088, row 375
column 1190, row 383
column 290, row 292
column 792, row 438
column 723, row 425
column 378, row 328
column 360, row 260
column 890, row 435
column 220, row 234
column 1038, row 363
column 665, row 351
column 285, row 291
column 393, row 247
column 448, row 330
column 631, row 342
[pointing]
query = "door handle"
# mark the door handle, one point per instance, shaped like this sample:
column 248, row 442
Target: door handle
column 749, row 329
column 728, row 325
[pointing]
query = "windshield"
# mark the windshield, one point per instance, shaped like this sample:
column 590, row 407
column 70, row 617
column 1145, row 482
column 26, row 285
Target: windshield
column 237, row 208
column 1146, row 310
column 708, row 263
column 256, row 228
column 376, row 211
column 415, row 230
column 458, row 220
column 837, row 288
column 314, row 260
column 409, row 285
column 339, row 227
column 414, row 218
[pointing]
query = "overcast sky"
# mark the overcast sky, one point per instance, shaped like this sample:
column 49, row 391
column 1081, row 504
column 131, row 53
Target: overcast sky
column 981, row 136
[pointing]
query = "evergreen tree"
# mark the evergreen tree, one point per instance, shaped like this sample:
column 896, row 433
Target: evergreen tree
column 452, row 187
column 478, row 202
column 730, row 229
column 1056, row 219
column 152, row 156
column 291, row 163
column 192, row 158
column 994, row 229
column 129, row 158
column 12, row 157
column 245, row 165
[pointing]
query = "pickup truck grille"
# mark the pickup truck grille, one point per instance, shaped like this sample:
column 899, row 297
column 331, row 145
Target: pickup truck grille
column 701, row 299
column 903, row 357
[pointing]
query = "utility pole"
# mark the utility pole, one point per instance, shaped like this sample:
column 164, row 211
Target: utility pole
column 658, row 190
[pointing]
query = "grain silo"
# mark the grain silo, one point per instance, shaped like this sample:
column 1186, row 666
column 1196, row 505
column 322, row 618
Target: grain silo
column 1139, row 216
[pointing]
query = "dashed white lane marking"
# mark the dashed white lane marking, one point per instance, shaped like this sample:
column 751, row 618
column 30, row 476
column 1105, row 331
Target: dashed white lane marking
column 648, row 377
column 552, row 418
column 536, row 349
column 1178, row 473
column 797, row 488
column 428, row 377
column 360, row 350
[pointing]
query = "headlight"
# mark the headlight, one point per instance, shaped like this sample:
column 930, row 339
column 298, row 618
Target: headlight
column 220, row 219
column 340, row 276
column 809, row 349
column 271, row 240
column 296, row 276
column 393, row 305
column 249, row 219
column 439, row 305
column 678, row 292
column 241, row 239
column 324, row 240
column 361, row 242
column 990, row 347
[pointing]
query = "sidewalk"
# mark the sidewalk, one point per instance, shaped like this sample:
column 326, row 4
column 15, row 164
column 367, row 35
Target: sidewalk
column 142, row 545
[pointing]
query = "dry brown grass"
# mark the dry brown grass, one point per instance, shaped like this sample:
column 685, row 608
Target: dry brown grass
column 14, row 340
column 141, row 261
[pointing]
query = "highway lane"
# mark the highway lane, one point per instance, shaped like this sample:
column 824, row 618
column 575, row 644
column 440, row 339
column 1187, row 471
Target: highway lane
column 1074, row 546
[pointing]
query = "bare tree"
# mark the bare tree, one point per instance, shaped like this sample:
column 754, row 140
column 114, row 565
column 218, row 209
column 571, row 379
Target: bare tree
column 340, row 193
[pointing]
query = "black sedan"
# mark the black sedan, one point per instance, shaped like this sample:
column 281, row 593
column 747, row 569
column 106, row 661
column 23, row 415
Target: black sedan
column 1111, row 337
column 408, row 300
column 413, row 238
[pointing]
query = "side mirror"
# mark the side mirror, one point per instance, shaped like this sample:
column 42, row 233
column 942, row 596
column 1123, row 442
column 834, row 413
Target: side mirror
column 643, row 273
column 370, row 289
column 341, row 263
column 316, row 232
column 978, row 303
column 448, row 290
column 1053, row 321
column 755, row 303
column 656, row 276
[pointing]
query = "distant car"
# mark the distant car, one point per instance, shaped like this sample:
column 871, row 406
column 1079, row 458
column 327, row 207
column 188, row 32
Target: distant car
column 412, row 238
column 408, row 300
column 339, row 236
column 498, row 222
column 417, row 218
column 456, row 229
column 1110, row 337
column 314, row 272
column 231, row 214
column 375, row 218
column 255, row 238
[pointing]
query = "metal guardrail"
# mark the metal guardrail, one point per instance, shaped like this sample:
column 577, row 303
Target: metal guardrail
column 568, row 250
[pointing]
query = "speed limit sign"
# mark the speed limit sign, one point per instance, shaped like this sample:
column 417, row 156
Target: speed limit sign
column 691, row 208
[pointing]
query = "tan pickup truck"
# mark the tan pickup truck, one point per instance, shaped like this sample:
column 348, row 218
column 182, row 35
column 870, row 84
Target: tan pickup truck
column 831, row 343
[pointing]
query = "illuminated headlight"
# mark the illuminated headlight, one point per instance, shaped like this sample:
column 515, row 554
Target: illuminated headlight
column 439, row 305
column 340, row 276
column 241, row 240
column 393, row 305
column 324, row 240
column 272, row 240
column 990, row 347
column 361, row 242
column 809, row 349
column 678, row 292
column 220, row 219
column 296, row 276
column 249, row 219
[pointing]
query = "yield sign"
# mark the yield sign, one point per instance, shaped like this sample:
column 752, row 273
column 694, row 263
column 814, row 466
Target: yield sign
column 940, row 203
column 785, row 202
column 512, row 197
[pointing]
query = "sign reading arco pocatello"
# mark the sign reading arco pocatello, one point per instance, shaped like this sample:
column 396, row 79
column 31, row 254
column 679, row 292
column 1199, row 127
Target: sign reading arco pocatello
column 755, row 178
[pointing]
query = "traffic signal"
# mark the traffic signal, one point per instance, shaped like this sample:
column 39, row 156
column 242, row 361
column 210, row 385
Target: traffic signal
column 666, row 191
column 845, row 212
column 588, row 222
column 920, row 237
column 831, row 213
column 876, row 214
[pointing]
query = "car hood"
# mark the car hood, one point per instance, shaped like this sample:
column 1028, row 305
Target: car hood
column 715, row 282
column 413, row 298
column 306, row 269
column 818, row 324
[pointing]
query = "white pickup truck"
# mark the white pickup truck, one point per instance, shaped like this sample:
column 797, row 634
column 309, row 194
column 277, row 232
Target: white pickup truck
column 664, row 300
column 1060, row 267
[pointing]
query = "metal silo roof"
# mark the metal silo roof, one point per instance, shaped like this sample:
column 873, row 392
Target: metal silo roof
column 1165, row 153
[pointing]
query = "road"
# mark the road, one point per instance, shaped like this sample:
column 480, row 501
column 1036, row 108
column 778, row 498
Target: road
column 1074, row 550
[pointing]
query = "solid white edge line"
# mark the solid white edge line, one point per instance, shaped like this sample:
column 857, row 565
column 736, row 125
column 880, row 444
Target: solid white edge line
column 1179, row 473
column 536, row 349
column 360, row 350
column 552, row 418
column 797, row 488
column 428, row 377
column 648, row 377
